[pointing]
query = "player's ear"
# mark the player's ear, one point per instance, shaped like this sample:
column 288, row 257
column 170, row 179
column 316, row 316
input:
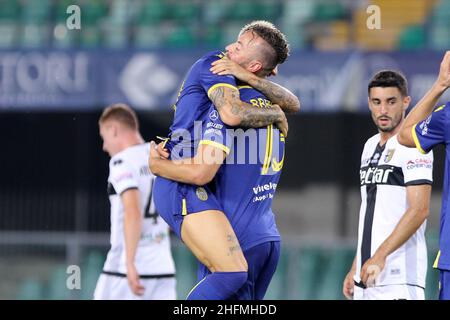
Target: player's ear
column 254, row 66
column 406, row 102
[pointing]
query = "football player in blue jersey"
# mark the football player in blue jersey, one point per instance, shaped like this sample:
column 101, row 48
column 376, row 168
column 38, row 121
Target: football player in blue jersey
column 246, row 169
column 424, row 128
column 208, row 233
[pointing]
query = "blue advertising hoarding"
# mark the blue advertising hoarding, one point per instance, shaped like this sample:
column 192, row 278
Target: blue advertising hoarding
column 86, row 80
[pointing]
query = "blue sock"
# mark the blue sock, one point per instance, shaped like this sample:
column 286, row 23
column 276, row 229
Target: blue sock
column 218, row 286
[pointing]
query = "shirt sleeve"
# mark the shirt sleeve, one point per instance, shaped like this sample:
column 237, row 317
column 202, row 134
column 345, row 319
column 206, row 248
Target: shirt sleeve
column 432, row 131
column 209, row 81
column 122, row 175
column 215, row 132
column 417, row 167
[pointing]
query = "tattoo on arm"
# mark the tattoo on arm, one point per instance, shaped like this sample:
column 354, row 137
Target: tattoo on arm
column 249, row 116
column 218, row 97
column 234, row 244
column 277, row 94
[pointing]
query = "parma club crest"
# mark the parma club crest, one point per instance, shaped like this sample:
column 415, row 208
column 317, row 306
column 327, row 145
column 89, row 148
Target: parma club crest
column 389, row 155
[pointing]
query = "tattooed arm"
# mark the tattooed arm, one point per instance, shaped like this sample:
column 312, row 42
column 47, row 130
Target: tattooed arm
column 274, row 92
column 235, row 112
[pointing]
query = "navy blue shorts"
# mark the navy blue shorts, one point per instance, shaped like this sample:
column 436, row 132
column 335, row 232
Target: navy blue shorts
column 174, row 200
column 262, row 262
column 444, row 285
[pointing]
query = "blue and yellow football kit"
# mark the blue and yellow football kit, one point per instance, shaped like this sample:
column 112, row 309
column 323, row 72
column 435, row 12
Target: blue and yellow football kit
column 427, row 134
column 192, row 105
column 245, row 186
column 174, row 200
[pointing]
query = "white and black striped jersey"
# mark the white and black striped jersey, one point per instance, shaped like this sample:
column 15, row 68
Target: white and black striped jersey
column 386, row 171
column 129, row 170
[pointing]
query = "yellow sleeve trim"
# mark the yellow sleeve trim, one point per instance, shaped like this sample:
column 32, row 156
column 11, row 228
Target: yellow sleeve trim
column 214, row 144
column 439, row 108
column 221, row 85
column 184, row 208
column 245, row 87
column 416, row 140
column 435, row 264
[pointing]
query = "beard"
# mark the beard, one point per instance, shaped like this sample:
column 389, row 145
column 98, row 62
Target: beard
column 394, row 122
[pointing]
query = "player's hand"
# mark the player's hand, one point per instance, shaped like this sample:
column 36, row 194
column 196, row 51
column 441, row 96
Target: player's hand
column 444, row 72
column 133, row 280
column 225, row 66
column 282, row 124
column 153, row 158
column 348, row 285
column 371, row 270
column 163, row 153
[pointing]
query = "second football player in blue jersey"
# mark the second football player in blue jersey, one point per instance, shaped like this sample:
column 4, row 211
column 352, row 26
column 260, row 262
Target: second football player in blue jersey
column 243, row 187
column 208, row 234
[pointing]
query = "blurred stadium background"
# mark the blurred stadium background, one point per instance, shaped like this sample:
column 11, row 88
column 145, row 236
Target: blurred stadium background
column 54, row 209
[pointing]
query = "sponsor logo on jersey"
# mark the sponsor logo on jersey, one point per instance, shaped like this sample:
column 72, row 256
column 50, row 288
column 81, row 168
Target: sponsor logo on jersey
column 117, row 162
column 395, row 272
column 264, row 187
column 214, row 125
column 214, row 115
column 157, row 237
column 376, row 158
column 201, row 194
column 389, row 155
column 213, row 132
column 419, row 163
column 375, row 175
column 424, row 125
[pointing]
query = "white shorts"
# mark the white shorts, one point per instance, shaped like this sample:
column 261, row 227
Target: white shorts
column 110, row 287
column 390, row 292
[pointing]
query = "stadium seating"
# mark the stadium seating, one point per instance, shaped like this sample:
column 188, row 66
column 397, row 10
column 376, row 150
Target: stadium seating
column 309, row 24
column 337, row 264
column 412, row 37
column 309, row 262
column 440, row 26
column 91, row 269
column 186, row 267
column 56, row 288
column 30, row 289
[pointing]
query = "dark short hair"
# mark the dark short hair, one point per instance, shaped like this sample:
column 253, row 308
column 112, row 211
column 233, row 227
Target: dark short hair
column 274, row 37
column 121, row 113
column 389, row 78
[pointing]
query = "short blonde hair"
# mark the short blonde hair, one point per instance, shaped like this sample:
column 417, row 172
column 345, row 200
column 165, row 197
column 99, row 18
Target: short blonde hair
column 121, row 113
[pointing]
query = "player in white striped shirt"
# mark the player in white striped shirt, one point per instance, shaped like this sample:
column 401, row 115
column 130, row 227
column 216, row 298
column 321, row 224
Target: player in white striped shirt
column 391, row 257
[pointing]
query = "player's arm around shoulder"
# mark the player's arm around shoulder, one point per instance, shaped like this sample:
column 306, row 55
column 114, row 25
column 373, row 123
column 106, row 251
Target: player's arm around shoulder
column 274, row 92
column 235, row 112
column 198, row 170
